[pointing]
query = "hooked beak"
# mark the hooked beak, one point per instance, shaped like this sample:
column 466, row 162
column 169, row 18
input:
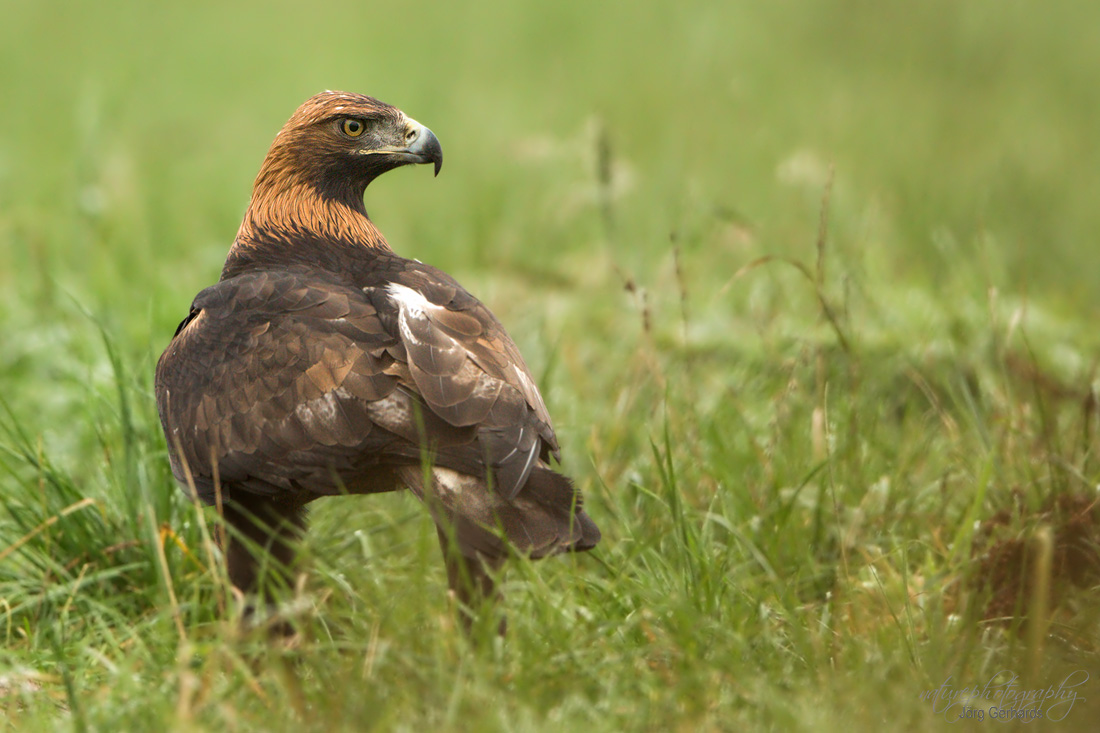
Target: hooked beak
column 421, row 146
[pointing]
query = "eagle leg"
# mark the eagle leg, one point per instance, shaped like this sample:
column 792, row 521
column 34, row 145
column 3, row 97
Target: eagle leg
column 261, row 543
column 472, row 582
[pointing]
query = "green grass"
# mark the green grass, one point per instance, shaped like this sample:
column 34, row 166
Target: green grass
column 807, row 445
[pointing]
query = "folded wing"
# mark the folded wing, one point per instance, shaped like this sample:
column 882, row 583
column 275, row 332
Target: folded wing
column 297, row 381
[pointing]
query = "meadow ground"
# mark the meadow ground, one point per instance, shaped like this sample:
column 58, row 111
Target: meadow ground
column 810, row 287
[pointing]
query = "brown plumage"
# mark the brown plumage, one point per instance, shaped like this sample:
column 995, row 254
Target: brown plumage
column 322, row 363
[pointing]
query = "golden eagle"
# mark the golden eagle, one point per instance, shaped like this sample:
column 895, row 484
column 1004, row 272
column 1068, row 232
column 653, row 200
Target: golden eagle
column 322, row 363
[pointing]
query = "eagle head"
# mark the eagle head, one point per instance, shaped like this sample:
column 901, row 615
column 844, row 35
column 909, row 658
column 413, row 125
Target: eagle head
column 347, row 140
column 311, row 184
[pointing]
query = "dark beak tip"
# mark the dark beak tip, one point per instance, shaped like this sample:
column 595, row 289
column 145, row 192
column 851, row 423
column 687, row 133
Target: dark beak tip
column 434, row 151
column 426, row 149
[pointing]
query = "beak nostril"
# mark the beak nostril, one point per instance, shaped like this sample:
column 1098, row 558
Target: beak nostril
column 410, row 136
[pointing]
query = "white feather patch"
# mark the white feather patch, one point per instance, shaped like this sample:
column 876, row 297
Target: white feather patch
column 451, row 482
column 320, row 411
column 463, row 493
column 409, row 301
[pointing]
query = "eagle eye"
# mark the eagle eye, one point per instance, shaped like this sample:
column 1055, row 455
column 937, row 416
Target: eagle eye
column 352, row 127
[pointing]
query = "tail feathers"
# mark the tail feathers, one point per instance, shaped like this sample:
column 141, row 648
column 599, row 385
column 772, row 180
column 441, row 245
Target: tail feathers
column 544, row 518
column 551, row 497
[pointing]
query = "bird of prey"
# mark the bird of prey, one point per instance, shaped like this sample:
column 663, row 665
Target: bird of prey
column 322, row 363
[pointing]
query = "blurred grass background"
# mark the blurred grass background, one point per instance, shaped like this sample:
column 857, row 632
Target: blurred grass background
column 788, row 503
